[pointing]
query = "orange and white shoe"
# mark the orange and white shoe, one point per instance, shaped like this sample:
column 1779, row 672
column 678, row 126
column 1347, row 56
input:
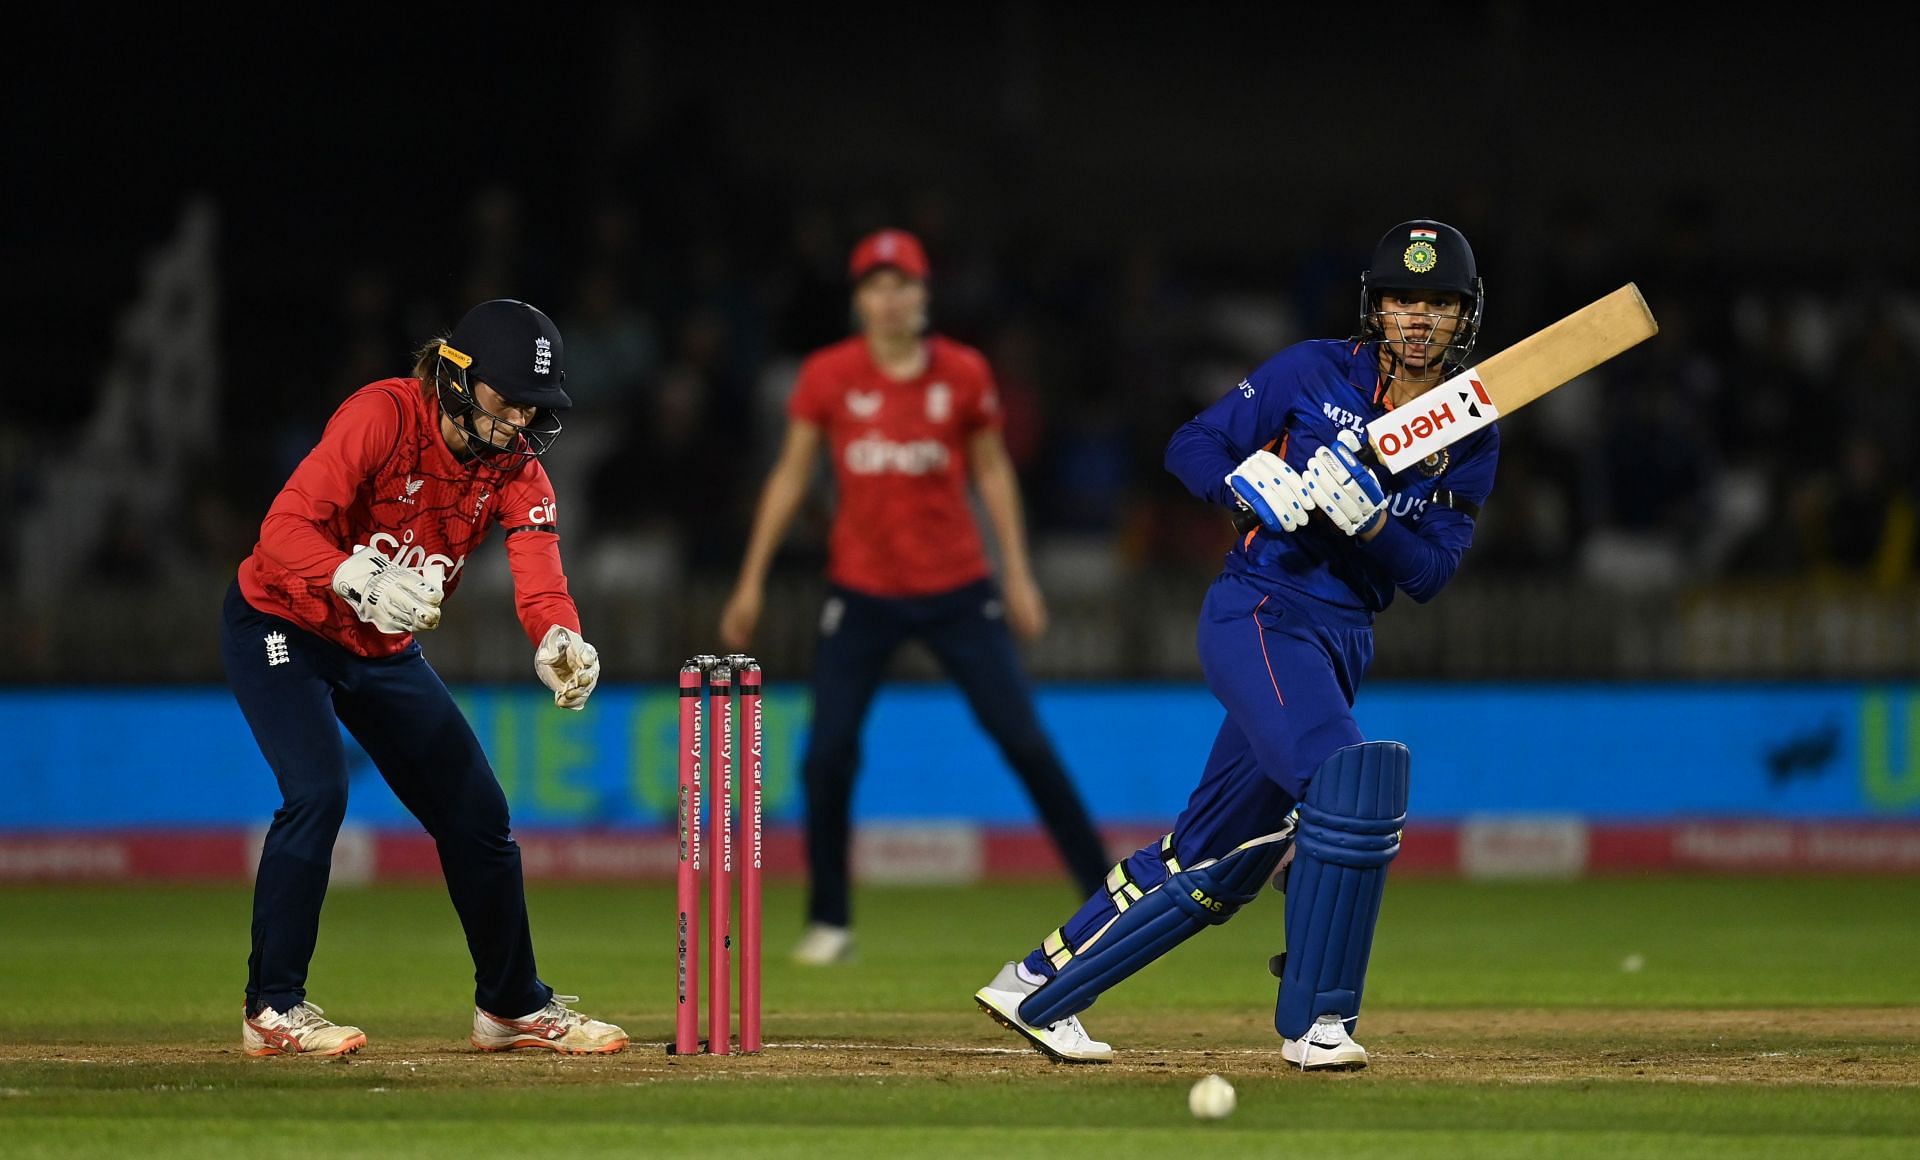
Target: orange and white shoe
column 555, row 1027
column 300, row 1031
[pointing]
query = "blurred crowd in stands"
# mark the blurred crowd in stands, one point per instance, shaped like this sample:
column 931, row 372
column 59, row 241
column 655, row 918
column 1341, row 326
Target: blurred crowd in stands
column 1763, row 435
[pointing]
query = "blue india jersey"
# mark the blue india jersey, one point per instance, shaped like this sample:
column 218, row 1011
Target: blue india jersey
column 1295, row 403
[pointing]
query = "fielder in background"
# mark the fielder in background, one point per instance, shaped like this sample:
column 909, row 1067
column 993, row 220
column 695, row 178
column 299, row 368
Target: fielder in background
column 1285, row 638
column 358, row 553
column 907, row 417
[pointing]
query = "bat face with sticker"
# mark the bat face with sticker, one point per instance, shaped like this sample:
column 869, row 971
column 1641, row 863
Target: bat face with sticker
column 1476, row 396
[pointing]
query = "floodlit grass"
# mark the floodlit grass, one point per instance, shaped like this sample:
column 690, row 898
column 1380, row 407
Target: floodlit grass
column 1617, row 1018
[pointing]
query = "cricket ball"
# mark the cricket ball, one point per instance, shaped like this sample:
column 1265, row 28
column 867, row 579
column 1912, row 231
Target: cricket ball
column 1211, row 1099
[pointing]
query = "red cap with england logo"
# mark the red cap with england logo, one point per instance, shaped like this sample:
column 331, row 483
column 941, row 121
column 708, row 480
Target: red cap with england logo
column 889, row 247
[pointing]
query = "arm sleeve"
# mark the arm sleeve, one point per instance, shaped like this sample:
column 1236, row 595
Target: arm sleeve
column 1421, row 562
column 540, row 595
column 295, row 533
column 811, row 399
column 527, row 517
column 1250, row 416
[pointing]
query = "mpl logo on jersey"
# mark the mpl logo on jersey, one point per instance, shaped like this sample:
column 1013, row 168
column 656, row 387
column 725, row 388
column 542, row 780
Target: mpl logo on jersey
column 1342, row 416
column 403, row 551
column 876, row 456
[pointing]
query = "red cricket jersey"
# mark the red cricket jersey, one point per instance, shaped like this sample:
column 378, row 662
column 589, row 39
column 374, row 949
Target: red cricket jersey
column 903, row 525
column 382, row 477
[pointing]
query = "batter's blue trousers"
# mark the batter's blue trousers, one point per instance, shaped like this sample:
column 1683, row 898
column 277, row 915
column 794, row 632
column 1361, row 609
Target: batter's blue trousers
column 1285, row 667
column 296, row 690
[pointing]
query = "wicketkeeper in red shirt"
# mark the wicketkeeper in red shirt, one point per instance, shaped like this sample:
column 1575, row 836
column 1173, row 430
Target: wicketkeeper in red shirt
column 360, row 551
column 908, row 419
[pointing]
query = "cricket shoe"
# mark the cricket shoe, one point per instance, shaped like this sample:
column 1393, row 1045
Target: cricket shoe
column 1065, row 1040
column 1326, row 1046
column 555, row 1027
column 824, row 945
column 300, row 1031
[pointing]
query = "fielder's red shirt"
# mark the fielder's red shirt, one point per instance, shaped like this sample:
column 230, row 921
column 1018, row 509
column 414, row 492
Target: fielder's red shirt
column 903, row 525
column 382, row 477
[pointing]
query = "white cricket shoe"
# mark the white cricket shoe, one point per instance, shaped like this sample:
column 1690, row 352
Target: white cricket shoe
column 1326, row 1045
column 1065, row 1041
column 300, row 1031
column 555, row 1027
column 824, row 946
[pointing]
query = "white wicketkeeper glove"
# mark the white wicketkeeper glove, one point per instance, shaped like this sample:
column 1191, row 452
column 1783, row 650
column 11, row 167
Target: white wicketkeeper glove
column 391, row 598
column 1272, row 490
column 567, row 665
column 1340, row 485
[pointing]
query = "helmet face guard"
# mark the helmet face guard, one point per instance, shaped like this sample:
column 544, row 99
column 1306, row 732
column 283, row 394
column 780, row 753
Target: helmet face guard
column 1459, row 348
column 524, row 441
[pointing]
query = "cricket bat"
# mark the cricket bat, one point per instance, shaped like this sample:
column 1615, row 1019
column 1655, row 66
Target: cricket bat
column 1503, row 383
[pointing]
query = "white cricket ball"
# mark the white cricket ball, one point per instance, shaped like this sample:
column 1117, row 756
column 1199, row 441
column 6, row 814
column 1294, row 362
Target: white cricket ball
column 1211, row 1099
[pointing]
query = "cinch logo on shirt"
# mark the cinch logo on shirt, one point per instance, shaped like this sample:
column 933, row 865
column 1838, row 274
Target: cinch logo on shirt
column 876, row 456
column 408, row 554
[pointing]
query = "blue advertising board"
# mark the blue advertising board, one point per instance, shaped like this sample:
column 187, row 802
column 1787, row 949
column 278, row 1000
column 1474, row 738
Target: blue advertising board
column 92, row 758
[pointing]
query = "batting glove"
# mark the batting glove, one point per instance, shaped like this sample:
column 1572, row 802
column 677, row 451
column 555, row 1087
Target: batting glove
column 1270, row 489
column 391, row 598
column 1340, row 485
column 567, row 665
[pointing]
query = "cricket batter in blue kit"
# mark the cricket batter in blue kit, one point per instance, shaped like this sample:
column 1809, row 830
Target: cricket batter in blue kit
column 1285, row 638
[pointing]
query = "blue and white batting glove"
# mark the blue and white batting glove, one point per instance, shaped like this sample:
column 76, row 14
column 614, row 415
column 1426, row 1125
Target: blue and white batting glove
column 1272, row 490
column 1340, row 485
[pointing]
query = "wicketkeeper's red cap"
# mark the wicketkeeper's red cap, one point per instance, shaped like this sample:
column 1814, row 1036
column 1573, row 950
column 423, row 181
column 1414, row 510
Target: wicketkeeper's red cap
column 896, row 248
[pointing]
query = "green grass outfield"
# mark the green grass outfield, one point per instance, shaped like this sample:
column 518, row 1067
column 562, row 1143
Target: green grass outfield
column 1616, row 1018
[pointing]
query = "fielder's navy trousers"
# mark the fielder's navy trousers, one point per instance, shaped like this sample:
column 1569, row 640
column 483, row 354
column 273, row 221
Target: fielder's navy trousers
column 967, row 631
column 296, row 690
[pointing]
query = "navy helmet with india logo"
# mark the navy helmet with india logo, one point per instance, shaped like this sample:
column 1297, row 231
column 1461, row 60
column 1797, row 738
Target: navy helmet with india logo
column 515, row 349
column 1424, row 254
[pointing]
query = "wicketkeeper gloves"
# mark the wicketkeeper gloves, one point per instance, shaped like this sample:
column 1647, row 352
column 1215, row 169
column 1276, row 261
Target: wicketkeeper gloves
column 391, row 598
column 567, row 665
